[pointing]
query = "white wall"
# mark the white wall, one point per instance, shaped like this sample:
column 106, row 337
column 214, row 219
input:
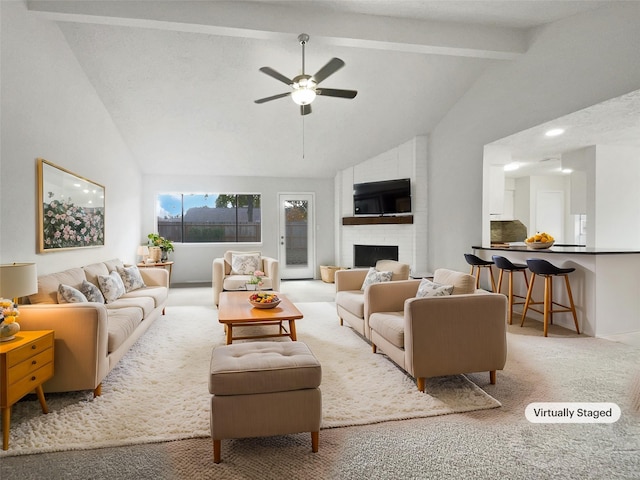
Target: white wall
column 193, row 262
column 617, row 217
column 408, row 160
column 50, row 110
column 570, row 65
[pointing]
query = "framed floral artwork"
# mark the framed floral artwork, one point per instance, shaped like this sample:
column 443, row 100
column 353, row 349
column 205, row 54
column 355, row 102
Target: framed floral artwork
column 70, row 210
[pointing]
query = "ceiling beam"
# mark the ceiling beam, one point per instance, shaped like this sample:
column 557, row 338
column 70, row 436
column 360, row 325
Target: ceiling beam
column 278, row 22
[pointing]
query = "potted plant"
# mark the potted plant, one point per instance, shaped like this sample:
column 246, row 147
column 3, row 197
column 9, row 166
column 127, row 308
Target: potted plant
column 165, row 245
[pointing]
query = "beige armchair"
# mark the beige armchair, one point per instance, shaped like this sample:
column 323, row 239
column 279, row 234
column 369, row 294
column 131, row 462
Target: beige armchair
column 351, row 300
column 447, row 335
column 225, row 279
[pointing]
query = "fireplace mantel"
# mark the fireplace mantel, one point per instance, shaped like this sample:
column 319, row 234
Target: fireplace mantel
column 401, row 219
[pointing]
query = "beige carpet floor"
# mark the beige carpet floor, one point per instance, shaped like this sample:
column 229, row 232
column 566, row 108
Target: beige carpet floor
column 488, row 444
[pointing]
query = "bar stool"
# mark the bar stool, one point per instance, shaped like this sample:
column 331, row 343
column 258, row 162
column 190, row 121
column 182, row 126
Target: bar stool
column 505, row 265
column 477, row 262
column 548, row 271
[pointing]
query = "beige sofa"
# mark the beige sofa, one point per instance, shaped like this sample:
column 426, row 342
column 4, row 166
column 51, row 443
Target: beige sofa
column 352, row 301
column 91, row 337
column 443, row 335
column 223, row 279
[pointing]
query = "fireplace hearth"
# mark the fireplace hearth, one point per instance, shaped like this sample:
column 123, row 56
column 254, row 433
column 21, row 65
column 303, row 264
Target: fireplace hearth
column 368, row 255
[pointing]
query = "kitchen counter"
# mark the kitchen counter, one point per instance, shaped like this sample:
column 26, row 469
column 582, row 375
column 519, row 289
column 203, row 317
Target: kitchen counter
column 605, row 284
column 562, row 249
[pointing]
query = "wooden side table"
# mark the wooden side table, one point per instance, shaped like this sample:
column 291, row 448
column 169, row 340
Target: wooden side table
column 165, row 265
column 25, row 364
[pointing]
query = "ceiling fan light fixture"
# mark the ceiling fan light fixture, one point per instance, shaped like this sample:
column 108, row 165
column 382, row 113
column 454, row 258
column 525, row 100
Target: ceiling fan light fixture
column 303, row 95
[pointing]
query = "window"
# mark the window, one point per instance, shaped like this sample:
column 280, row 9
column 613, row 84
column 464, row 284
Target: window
column 211, row 217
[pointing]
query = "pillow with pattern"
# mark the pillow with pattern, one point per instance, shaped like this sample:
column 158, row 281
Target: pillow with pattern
column 427, row 288
column 374, row 276
column 92, row 292
column 245, row 264
column 68, row 294
column 111, row 286
column 131, row 278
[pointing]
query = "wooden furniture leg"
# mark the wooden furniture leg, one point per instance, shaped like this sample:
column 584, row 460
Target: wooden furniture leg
column 229, row 334
column 216, row 451
column 492, row 377
column 421, row 383
column 6, row 422
column 292, row 330
column 315, row 439
column 573, row 307
column 43, row 402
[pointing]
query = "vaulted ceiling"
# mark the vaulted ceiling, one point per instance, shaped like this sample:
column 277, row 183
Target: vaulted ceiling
column 179, row 78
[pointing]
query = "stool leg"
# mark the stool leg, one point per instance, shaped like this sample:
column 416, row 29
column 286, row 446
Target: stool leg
column 493, row 283
column 526, row 280
column 528, row 299
column 216, row 451
column 547, row 303
column 315, row 439
column 478, row 278
column 510, row 296
column 573, row 307
column 471, row 271
column 550, row 300
column 500, row 281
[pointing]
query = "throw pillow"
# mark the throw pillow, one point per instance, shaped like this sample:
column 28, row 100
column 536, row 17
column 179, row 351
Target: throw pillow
column 67, row 294
column 92, row 292
column 374, row 276
column 427, row 288
column 131, row 278
column 245, row 264
column 111, row 286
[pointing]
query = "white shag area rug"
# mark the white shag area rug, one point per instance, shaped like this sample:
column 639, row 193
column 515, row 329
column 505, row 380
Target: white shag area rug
column 159, row 390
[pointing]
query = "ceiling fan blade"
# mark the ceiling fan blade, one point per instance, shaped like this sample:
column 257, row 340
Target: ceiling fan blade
column 332, row 92
column 330, row 68
column 277, row 75
column 305, row 109
column 273, row 97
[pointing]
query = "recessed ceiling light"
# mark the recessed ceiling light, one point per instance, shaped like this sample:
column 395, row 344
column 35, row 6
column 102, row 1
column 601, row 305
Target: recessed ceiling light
column 566, row 170
column 554, row 132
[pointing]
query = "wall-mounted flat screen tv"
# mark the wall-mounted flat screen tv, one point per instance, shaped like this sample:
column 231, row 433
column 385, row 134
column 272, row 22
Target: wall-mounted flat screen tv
column 388, row 197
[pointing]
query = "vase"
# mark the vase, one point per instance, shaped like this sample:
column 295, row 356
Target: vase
column 8, row 331
column 165, row 255
column 251, row 286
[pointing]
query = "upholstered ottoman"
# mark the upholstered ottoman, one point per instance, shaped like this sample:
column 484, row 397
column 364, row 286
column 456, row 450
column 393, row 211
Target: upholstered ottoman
column 262, row 389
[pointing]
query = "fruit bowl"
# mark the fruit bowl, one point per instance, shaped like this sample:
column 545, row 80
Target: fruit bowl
column 264, row 300
column 539, row 245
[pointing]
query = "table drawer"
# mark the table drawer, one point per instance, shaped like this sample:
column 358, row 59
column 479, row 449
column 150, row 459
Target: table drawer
column 30, row 365
column 29, row 383
column 29, row 350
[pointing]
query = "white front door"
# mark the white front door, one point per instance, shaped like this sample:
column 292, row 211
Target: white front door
column 297, row 248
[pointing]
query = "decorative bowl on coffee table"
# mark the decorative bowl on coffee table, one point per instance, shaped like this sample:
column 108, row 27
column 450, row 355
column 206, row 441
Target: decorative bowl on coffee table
column 264, row 300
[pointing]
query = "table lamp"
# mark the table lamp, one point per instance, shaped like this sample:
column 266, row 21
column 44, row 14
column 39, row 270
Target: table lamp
column 143, row 252
column 16, row 280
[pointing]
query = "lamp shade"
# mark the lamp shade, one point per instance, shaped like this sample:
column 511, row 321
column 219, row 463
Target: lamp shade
column 18, row 280
column 143, row 250
column 303, row 96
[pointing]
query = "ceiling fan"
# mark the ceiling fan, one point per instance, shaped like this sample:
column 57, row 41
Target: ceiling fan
column 305, row 87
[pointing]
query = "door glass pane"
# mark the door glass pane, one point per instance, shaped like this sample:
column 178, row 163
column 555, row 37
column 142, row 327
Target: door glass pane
column 296, row 221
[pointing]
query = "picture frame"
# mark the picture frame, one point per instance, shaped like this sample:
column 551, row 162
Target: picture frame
column 71, row 210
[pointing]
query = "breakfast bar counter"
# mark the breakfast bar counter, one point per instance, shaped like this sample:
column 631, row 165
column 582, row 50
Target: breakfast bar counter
column 605, row 285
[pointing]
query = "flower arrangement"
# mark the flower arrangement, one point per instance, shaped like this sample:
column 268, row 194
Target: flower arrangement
column 256, row 278
column 8, row 311
column 8, row 316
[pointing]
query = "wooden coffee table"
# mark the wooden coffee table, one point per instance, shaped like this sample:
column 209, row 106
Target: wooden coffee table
column 234, row 310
